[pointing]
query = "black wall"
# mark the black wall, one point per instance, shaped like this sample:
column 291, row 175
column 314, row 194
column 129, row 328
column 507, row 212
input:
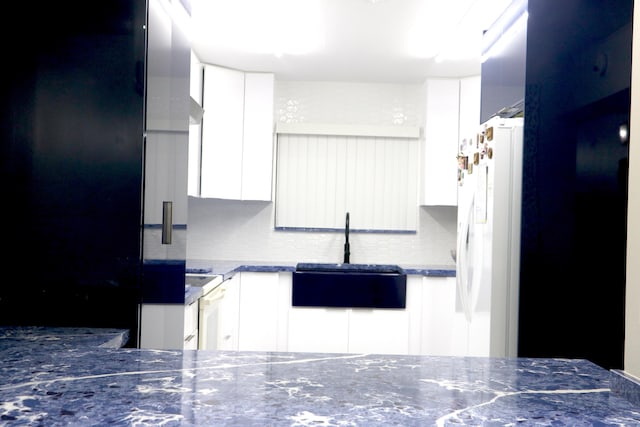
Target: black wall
column 71, row 162
column 575, row 180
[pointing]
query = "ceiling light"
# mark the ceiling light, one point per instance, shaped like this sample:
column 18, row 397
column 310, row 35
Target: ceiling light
column 504, row 29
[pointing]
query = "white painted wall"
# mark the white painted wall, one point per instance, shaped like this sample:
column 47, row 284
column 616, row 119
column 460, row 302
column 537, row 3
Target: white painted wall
column 243, row 230
column 632, row 320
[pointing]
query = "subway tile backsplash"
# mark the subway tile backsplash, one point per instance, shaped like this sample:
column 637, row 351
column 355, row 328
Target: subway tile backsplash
column 348, row 103
column 241, row 230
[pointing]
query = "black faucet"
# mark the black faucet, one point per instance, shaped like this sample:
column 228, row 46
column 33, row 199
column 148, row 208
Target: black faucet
column 347, row 251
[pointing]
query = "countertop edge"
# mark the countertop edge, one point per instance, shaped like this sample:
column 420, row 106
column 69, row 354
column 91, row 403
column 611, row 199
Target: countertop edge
column 625, row 385
column 227, row 269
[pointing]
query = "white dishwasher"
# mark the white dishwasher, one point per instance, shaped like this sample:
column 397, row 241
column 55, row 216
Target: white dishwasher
column 209, row 315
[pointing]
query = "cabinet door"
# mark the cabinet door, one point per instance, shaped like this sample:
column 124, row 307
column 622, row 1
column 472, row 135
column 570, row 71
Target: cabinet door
column 195, row 129
column 382, row 331
column 441, row 330
column 259, row 309
column 229, row 315
column 163, row 326
column 414, row 310
column 257, row 151
column 469, row 107
column 222, row 128
column 196, row 78
column 324, row 330
column 440, row 180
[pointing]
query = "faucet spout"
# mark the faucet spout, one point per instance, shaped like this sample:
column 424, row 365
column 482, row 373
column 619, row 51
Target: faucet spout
column 347, row 250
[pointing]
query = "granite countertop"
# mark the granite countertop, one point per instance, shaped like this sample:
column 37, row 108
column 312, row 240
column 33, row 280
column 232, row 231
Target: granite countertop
column 229, row 268
column 226, row 269
column 44, row 384
column 19, row 339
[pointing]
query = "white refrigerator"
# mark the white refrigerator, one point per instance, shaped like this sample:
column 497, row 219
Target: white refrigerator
column 488, row 249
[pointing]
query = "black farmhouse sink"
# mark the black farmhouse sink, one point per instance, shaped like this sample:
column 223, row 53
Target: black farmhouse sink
column 349, row 285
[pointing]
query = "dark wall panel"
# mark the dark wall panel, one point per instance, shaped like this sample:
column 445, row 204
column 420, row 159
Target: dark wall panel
column 574, row 180
column 72, row 162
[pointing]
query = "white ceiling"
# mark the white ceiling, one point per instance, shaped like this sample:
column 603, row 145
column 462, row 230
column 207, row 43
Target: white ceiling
column 361, row 40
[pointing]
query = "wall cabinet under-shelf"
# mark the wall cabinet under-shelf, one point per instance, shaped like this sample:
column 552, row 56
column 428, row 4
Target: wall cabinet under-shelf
column 237, row 134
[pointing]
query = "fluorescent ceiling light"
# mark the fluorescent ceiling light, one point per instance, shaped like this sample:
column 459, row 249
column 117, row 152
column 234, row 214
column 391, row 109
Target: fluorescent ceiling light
column 274, row 27
column 504, row 29
column 498, row 45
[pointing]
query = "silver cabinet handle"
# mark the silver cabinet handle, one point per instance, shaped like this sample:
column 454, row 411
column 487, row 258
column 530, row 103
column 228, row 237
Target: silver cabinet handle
column 167, row 222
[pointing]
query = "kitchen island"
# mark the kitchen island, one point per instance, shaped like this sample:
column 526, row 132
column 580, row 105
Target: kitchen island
column 86, row 384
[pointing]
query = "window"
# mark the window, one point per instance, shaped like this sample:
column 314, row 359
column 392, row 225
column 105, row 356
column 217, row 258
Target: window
column 320, row 176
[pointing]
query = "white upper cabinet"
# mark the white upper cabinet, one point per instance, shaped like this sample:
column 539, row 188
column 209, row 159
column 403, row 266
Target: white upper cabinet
column 222, row 128
column 196, row 79
column 195, row 127
column 452, row 111
column 237, row 134
column 441, row 142
column 469, row 107
column 257, row 150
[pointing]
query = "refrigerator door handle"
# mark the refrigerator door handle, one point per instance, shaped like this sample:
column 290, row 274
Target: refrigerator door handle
column 462, row 275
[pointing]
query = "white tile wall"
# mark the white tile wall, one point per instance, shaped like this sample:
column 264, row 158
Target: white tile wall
column 242, row 230
column 348, row 103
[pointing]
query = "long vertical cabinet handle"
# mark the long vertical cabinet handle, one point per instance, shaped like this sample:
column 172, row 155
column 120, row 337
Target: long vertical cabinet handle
column 167, row 222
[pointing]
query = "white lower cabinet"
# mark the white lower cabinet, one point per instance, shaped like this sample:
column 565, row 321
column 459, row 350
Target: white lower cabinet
column 264, row 302
column 322, row 330
column 229, row 315
column 382, row 331
column 347, row 330
column 253, row 313
column 256, row 315
column 169, row 326
column 358, row 330
column 439, row 323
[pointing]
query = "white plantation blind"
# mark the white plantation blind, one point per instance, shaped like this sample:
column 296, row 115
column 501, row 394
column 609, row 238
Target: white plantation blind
column 321, row 177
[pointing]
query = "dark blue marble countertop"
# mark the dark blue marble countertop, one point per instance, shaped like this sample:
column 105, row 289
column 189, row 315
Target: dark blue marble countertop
column 431, row 270
column 229, row 268
column 191, row 294
column 35, row 338
column 87, row 386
